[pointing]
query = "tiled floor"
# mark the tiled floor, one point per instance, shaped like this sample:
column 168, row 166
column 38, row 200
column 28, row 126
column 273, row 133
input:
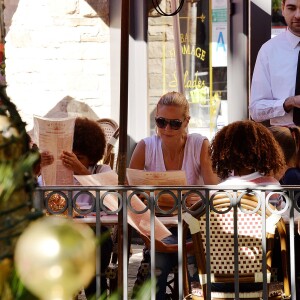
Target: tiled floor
column 134, row 263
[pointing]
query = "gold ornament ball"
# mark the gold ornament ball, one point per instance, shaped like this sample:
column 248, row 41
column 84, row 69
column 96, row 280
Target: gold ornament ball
column 55, row 257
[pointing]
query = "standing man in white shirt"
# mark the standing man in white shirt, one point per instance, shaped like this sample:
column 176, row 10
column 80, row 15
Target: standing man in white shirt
column 273, row 83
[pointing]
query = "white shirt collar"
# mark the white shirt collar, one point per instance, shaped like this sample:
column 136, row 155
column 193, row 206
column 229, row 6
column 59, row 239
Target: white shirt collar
column 292, row 38
column 248, row 177
column 245, row 179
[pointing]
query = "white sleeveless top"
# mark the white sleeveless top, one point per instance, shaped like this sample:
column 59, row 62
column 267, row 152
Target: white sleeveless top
column 154, row 160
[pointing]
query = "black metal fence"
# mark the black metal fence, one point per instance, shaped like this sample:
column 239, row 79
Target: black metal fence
column 287, row 200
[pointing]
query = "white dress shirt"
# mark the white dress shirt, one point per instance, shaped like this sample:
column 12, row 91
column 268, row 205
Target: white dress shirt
column 274, row 79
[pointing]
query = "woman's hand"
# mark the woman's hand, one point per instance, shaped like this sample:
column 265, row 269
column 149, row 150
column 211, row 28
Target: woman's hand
column 70, row 161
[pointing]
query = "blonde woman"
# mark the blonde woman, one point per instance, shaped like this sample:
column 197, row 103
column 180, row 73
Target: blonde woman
column 172, row 148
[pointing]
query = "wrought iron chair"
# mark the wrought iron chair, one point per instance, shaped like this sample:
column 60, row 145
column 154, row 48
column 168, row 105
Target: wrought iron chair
column 111, row 130
column 249, row 249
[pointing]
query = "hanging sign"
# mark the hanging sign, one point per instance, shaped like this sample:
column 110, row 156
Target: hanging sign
column 219, row 33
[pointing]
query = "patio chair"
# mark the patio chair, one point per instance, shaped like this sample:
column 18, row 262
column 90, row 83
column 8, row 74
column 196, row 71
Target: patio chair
column 111, row 130
column 249, row 248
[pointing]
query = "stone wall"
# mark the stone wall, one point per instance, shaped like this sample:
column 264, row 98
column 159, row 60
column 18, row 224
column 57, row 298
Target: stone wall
column 57, row 49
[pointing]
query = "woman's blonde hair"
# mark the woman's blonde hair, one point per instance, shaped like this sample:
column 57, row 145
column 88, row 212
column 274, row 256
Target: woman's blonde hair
column 175, row 99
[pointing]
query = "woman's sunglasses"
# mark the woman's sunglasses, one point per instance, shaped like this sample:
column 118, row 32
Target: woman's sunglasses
column 163, row 122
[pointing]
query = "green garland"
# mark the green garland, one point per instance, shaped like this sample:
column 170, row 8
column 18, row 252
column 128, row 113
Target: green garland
column 17, row 183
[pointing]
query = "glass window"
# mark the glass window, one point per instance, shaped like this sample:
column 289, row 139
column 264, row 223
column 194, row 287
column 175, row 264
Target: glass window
column 203, row 43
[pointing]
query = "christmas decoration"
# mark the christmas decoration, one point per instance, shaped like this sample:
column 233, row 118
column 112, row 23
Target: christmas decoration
column 17, row 183
column 55, row 257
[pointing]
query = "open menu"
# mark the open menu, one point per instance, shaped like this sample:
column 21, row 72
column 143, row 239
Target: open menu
column 141, row 177
column 168, row 178
column 141, row 222
column 54, row 136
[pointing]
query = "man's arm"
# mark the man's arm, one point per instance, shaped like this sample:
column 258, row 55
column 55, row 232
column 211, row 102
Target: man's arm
column 263, row 106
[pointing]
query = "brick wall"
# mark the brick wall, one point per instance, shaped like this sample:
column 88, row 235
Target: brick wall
column 161, row 53
column 56, row 49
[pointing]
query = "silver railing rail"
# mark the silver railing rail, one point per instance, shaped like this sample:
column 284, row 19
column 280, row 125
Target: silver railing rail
column 290, row 195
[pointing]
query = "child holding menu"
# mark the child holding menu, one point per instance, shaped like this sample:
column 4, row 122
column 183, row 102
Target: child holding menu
column 88, row 149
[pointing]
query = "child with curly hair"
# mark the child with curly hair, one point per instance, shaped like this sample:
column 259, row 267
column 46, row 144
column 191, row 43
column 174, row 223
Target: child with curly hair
column 88, row 149
column 246, row 152
column 89, row 146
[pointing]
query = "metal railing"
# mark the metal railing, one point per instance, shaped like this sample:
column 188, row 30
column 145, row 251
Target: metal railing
column 124, row 195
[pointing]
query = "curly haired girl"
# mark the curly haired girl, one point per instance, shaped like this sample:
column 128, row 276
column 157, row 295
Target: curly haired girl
column 243, row 148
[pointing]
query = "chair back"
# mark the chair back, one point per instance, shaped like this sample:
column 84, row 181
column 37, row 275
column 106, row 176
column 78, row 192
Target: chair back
column 249, row 227
column 249, row 238
column 111, row 131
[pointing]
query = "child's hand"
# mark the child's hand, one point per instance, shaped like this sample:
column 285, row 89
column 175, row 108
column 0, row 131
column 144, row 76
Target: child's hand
column 70, row 161
column 46, row 159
